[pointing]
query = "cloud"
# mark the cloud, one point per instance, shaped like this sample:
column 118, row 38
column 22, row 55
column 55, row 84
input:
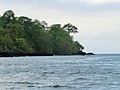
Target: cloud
column 91, row 2
column 99, row 1
column 98, row 27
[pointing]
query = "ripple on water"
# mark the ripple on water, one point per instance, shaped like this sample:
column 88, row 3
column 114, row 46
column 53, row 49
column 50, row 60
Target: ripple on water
column 99, row 72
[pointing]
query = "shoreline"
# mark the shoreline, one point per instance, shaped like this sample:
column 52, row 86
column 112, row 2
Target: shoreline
column 6, row 54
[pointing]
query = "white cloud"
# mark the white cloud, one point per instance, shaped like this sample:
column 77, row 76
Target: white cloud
column 99, row 1
column 90, row 2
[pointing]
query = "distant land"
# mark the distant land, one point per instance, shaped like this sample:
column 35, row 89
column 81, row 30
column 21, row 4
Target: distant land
column 22, row 36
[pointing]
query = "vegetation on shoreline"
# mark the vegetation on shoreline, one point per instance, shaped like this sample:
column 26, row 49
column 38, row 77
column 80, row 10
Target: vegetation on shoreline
column 24, row 35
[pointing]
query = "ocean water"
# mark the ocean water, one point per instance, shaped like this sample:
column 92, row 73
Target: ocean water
column 99, row 72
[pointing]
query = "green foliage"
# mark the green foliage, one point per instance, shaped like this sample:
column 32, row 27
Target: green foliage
column 62, row 41
column 22, row 34
column 21, row 45
column 79, row 46
column 70, row 28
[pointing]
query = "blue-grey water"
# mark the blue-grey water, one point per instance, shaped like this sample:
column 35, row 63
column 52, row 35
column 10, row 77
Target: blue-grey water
column 99, row 72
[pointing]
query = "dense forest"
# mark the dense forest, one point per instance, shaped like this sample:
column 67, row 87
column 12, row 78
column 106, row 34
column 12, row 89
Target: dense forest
column 24, row 35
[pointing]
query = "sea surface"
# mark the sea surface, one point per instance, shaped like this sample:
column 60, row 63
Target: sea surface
column 99, row 72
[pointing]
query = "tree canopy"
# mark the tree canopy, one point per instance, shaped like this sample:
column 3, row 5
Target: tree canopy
column 24, row 35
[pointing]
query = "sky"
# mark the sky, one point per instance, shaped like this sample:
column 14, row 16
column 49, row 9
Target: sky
column 98, row 21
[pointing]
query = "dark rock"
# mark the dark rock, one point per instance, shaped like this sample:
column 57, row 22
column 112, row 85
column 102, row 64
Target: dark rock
column 81, row 53
column 90, row 53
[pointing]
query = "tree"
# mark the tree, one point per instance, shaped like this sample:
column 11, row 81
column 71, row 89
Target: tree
column 8, row 15
column 21, row 45
column 62, row 41
column 45, row 25
column 70, row 28
column 79, row 46
column 25, row 21
column 24, row 35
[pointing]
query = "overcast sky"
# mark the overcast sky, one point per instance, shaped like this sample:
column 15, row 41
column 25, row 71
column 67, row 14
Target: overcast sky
column 98, row 20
